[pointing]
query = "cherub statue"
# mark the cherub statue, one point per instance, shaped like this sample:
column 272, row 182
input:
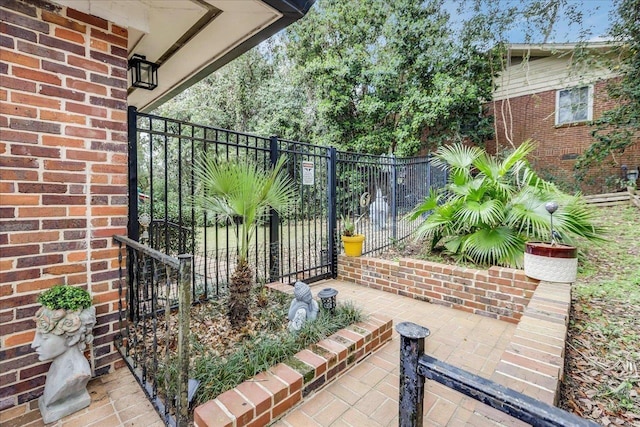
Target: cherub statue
column 62, row 336
column 303, row 307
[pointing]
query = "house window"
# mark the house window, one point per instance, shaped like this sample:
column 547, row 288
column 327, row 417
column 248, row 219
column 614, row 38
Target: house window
column 574, row 105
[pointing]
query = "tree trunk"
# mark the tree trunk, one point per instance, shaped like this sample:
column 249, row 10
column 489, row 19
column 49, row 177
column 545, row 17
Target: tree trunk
column 240, row 294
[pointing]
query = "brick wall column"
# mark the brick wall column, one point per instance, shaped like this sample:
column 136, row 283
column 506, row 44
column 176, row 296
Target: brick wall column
column 63, row 176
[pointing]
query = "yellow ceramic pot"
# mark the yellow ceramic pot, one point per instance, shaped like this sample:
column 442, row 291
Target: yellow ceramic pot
column 353, row 244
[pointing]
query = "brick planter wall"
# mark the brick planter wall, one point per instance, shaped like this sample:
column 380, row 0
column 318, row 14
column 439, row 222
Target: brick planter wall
column 63, row 160
column 501, row 293
column 270, row 394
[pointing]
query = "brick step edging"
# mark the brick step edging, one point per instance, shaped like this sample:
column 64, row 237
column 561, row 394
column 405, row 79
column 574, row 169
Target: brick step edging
column 533, row 362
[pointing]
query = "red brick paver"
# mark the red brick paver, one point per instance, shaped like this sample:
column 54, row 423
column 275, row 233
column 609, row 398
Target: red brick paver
column 367, row 395
column 116, row 400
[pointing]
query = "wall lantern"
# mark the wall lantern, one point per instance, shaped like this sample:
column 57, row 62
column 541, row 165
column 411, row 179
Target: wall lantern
column 328, row 299
column 630, row 174
column 144, row 74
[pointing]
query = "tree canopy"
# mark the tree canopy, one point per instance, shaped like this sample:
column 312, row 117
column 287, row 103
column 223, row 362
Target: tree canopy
column 377, row 76
column 619, row 128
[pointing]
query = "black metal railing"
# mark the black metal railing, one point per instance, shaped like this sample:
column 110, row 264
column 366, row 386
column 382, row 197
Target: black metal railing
column 303, row 245
column 153, row 342
column 415, row 366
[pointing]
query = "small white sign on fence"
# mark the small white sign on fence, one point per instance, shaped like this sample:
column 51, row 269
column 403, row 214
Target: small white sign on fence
column 307, row 173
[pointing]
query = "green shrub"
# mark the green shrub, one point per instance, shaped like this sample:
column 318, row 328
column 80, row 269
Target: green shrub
column 65, row 297
column 490, row 207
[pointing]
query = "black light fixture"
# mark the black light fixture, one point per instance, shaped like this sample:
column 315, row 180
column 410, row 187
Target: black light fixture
column 328, row 299
column 144, row 74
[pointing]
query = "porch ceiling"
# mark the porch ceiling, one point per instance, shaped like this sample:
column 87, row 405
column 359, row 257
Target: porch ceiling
column 191, row 38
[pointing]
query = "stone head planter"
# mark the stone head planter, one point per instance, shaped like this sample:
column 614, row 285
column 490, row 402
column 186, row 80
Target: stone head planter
column 61, row 337
column 551, row 262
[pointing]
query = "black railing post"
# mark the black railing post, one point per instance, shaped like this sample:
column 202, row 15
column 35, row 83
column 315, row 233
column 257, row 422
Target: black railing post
column 411, row 383
column 394, row 198
column 331, row 211
column 184, row 305
column 274, row 223
column 133, row 229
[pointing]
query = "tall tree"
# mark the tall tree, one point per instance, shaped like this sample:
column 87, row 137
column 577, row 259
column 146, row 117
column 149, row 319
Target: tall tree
column 619, row 128
column 387, row 76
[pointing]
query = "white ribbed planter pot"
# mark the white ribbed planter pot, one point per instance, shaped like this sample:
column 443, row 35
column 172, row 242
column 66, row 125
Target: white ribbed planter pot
column 551, row 263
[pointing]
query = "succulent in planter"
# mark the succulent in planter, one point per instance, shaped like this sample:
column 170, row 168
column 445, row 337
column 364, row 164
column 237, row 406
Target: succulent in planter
column 64, row 327
column 352, row 241
column 65, row 297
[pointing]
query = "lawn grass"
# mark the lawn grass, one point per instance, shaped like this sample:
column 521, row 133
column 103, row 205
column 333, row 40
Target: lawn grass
column 602, row 380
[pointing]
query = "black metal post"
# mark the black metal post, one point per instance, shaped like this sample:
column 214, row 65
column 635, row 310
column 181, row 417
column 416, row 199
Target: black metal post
column 133, row 229
column 331, row 211
column 274, row 223
column 411, row 383
column 184, row 301
column 394, row 198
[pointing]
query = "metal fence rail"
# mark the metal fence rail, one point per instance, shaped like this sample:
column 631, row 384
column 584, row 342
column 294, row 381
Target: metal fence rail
column 151, row 285
column 415, row 366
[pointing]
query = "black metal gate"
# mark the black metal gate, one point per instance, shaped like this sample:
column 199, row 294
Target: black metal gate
column 301, row 246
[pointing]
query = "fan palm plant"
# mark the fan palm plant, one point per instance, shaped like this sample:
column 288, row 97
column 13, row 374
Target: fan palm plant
column 239, row 190
column 490, row 207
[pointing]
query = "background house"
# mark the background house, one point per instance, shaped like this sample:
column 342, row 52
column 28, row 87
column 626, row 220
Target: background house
column 63, row 145
column 549, row 93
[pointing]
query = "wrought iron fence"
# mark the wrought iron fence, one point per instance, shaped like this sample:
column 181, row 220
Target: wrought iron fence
column 303, row 245
column 152, row 286
column 415, row 366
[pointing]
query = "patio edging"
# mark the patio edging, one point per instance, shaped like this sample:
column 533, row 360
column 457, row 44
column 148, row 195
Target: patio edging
column 499, row 292
column 270, row 394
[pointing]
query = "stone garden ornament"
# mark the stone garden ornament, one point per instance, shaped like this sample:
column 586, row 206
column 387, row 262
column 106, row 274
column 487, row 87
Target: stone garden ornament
column 303, row 307
column 61, row 337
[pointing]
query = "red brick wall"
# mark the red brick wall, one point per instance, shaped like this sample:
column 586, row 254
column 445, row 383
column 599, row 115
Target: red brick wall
column 63, row 176
column 533, row 117
column 500, row 293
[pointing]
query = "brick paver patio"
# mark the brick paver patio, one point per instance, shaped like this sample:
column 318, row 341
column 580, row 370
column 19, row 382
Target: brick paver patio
column 367, row 395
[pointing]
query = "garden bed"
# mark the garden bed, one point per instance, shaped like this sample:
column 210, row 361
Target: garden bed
column 270, row 394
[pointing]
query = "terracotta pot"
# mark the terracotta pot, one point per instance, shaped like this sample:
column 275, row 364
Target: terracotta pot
column 551, row 262
column 353, row 244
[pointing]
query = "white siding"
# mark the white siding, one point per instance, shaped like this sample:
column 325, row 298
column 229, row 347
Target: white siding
column 543, row 74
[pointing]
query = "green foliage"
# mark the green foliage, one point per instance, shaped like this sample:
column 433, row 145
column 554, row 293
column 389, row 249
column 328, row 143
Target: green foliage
column 261, row 351
column 491, row 207
column 65, row 297
column 389, row 76
column 349, row 225
column 240, row 190
column 619, row 128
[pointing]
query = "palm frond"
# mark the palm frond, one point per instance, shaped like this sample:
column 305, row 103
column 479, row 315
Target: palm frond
column 500, row 245
column 457, row 156
column 490, row 212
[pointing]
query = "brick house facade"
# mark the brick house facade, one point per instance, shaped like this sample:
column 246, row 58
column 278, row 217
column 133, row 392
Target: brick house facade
column 525, row 107
column 63, row 176
column 64, row 93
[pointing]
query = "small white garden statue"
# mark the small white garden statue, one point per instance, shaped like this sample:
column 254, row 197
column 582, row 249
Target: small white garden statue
column 61, row 336
column 378, row 211
column 303, row 307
